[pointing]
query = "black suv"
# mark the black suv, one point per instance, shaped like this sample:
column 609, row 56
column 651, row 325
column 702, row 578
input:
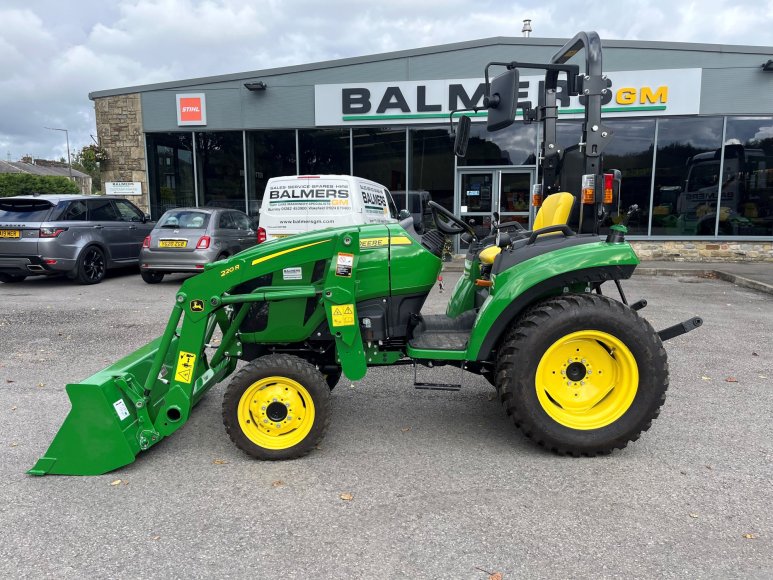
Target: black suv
column 77, row 235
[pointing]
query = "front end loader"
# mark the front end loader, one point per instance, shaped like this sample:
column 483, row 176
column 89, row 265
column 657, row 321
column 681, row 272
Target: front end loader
column 579, row 372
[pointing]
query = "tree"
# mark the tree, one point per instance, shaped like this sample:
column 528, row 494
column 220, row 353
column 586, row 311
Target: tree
column 25, row 184
column 89, row 160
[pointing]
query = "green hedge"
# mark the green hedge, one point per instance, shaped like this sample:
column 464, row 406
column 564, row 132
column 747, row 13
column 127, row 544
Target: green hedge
column 24, row 184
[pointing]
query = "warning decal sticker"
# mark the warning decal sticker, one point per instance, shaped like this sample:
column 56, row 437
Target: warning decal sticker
column 344, row 264
column 121, row 409
column 343, row 315
column 185, row 364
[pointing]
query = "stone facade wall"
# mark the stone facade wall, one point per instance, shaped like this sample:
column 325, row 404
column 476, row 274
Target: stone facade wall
column 705, row 251
column 119, row 130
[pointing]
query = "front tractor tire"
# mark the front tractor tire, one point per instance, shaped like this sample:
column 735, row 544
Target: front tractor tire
column 582, row 375
column 277, row 407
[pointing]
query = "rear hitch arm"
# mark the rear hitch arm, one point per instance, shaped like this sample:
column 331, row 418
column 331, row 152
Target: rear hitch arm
column 681, row 328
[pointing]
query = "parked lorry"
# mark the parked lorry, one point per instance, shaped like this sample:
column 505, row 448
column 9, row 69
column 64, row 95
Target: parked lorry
column 746, row 187
column 578, row 371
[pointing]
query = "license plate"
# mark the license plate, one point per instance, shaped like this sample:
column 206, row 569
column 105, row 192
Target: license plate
column 10, row 233
column 280, row 236
column 172, row 243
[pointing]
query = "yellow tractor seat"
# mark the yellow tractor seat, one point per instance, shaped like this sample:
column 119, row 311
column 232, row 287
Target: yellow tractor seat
column 554, row 211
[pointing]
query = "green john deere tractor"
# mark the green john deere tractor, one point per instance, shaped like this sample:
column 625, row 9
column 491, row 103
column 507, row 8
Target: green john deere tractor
column 579, row 372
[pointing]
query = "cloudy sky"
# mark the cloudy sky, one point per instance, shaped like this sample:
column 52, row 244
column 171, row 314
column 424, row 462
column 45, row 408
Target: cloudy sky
column 53, row 53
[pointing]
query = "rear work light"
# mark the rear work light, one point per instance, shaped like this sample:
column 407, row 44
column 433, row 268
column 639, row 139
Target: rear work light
column 608, row 183
column 51, row 232
column 536, row 195
column 146, row 242
column 588, row 189
column 203, row 243
column 261, row 235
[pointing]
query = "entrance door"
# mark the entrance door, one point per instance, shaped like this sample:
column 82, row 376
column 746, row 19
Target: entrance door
column 483, row 192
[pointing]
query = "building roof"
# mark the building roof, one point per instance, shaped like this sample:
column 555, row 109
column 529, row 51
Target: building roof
column 493, row 41
column 41, row 167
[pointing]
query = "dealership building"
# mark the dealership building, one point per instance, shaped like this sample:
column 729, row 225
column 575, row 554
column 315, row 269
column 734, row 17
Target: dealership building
column 692, row 123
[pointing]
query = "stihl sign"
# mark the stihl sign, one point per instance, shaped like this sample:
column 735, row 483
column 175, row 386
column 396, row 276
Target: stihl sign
column 191, row 109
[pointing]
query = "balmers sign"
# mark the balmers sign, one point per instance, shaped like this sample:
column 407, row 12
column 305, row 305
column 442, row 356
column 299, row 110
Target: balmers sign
column 191, row 109
column 633, row 93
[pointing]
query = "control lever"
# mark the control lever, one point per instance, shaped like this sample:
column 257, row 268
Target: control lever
column 634, row 209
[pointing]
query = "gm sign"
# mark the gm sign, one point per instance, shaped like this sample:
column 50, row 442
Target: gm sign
column 633, row 94
column 191, row 109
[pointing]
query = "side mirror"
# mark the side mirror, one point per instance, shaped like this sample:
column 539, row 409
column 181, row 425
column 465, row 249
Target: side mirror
column 462, row 136
column 145, row 218
column 502, row 101
column 403, row 215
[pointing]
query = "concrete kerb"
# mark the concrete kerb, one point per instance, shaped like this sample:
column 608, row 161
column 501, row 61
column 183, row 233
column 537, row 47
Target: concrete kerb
column 704, row 273
column 457, row 265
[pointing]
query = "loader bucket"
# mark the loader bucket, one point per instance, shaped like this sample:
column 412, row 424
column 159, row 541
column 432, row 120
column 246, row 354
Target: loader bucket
column 102, row 431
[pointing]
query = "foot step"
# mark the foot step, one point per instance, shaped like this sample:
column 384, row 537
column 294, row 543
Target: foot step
column 436, row 386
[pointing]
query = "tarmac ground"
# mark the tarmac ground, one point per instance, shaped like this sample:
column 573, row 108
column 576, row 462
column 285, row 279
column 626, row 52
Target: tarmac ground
column 407, row 483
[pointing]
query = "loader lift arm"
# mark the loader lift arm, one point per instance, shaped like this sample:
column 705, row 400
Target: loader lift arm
column 136, row 402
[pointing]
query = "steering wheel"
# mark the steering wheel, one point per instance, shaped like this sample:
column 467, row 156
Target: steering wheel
column 442, row 216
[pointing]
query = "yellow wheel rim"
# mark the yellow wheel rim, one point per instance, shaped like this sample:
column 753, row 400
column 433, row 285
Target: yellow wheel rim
column 587, row 380
column 276, row 413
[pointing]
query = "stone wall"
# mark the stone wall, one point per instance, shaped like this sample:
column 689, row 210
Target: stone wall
column 705, row 251
column 119, row 130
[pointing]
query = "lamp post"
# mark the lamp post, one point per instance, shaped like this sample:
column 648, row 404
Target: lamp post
column 67, row 136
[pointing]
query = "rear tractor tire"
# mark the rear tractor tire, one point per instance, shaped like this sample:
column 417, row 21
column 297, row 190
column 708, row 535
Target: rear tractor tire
column 277, row 407
column 582, row 375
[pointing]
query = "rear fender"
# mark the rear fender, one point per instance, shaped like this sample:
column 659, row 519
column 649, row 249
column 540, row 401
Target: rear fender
column 569, row 269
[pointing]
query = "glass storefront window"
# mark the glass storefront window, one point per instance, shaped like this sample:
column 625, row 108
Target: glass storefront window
column 220, row 167
column 476, row 192
column 379, row 155
column 269, row 154
column 514, row 190
column 746, row 204
column 572, row 165
column 170, row 169
column 515, row 145
column 687, row 176
column 324, row 151
column 630, row 152
column 431, row 164
column 568, row 133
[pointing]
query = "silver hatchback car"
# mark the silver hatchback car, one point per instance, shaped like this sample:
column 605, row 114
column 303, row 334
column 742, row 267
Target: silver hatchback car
column 187, row 238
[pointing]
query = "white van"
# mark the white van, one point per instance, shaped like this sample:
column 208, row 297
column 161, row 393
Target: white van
column 300, row 203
